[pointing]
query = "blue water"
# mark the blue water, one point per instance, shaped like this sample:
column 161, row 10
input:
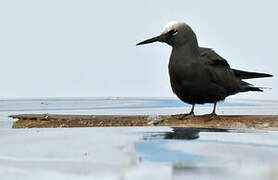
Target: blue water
column 157, row 152
column 187, row 153
column 75, row 104
column 126, row 106
column 207, row 153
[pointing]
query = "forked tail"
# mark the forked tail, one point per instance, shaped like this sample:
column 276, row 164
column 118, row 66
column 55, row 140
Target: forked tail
column 250, row 75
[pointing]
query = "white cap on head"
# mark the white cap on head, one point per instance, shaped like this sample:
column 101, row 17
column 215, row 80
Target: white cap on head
column 171, row 25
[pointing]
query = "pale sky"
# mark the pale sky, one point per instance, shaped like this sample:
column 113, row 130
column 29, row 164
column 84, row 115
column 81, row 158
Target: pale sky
column 85, row 48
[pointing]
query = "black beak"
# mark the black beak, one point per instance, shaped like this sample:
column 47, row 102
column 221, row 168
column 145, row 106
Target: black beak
column 160, row 38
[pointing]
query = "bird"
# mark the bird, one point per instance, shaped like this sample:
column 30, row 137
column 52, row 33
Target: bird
column 199, row 75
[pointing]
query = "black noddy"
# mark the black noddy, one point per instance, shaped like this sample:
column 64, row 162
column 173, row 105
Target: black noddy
column 199, row 75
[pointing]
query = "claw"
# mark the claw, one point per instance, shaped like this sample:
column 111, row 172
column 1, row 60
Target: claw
column 186, row 116
column 210, row 117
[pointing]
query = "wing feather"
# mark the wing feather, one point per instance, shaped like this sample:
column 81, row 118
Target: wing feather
column 213, row 58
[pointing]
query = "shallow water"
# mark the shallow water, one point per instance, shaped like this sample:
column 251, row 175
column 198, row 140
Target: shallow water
column 138, row 153
column 127, row 106
column 212, row 153
column 125, row 153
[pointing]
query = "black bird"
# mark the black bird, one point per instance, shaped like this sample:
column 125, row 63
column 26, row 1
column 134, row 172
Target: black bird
column 197, row 74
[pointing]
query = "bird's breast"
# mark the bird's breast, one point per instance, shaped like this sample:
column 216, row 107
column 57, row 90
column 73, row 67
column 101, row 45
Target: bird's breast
column 183, row 71
column 189, row 81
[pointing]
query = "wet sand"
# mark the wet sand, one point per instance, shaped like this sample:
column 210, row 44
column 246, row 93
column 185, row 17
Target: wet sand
column 266, row 122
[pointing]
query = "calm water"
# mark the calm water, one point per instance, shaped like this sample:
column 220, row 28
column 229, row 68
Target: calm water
column 131, row 153
column 136, row 153
column 128, row 106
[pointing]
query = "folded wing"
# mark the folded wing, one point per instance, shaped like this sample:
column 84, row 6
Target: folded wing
column 224, row 76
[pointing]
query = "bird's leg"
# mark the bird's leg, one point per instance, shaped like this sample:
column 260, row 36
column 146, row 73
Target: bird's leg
column 186, row 116
column 213, row 110
column 212, row 115
column 192, row 110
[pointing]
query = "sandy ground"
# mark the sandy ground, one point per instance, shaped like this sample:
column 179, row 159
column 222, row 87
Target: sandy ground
column 267, row 122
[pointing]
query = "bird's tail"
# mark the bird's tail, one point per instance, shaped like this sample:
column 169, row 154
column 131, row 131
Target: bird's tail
column 249, row 87
column 249, row 75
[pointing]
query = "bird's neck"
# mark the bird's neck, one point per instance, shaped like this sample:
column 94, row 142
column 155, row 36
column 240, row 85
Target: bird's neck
column 185, row 52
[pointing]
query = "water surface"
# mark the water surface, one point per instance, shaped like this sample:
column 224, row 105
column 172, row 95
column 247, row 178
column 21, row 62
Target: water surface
column 124, row 153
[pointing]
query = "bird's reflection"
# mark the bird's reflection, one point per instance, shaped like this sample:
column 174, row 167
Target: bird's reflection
column 181, row 133
column 180, row 169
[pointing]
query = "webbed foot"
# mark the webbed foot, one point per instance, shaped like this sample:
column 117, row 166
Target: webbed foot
column 210, row 117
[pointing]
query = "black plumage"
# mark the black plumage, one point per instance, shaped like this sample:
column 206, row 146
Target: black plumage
column 197, row 74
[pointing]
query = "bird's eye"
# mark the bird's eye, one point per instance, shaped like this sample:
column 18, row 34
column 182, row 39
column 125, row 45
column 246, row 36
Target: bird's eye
column 173, row 32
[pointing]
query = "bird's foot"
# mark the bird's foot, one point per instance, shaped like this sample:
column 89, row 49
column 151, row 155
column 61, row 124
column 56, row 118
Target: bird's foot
column 210, row 117
column 184, row 116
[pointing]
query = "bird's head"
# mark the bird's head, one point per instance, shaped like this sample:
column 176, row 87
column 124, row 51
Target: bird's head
column 174, row 33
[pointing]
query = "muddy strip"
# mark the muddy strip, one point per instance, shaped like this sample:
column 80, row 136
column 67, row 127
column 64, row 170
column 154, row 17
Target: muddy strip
column 267, row 122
